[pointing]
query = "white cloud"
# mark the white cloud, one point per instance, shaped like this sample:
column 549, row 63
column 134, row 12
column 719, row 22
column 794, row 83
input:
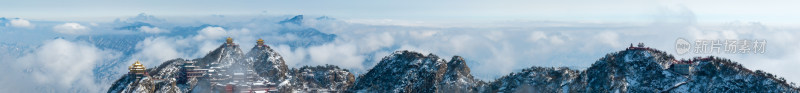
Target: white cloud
column 495, row 35
column 411, row 48
column 293, row 58
column 20, row 23
column 556, row 40
column 343, row 55
column 211, row 33
column 493, row 49
column 537, row 35
column 154, row 50
column 93, row 24
column 57, row 65
column 610, row 38
column 377, row 41
column 730, row 35
column 503, row 50
column 152, row 30
column 422, row 34
column 71, row 28
column 392, row 22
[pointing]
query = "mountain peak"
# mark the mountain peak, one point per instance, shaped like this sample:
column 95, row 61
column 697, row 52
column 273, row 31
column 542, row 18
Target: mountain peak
column 225, row 55
column 642, row 69
column 268, row 63
column 457, row 67
column 638, row 69
column 297, row 20
column 651, row 70
column 325, row 18
column 407, row 71
column 457, row 78
column 261, row 70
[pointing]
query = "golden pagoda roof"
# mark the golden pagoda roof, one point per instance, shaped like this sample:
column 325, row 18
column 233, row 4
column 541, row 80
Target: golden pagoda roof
column 137, row 65
column 229, row 40
column 260, row 41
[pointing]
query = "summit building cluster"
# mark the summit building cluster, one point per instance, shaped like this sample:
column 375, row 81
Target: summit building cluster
column 226, row 74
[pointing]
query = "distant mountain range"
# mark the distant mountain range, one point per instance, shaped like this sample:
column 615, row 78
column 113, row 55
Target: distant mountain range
column 636, row 69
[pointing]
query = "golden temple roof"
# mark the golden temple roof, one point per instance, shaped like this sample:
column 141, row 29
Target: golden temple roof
column 136, row 66
column 260, row 41
column 229, row 40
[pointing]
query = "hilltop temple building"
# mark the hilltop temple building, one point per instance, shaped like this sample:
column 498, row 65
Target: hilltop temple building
column 137, row 69
column 229, row 40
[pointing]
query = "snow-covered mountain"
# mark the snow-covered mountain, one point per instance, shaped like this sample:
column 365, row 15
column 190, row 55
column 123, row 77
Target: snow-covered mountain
column 226, row 67
column 327, row 78
column 268, row 63
column 408, row 71
column 404, row 71
column 636, row 69
column 457, row 78
column 297, row 20
column 645, row 70
column 311, row 36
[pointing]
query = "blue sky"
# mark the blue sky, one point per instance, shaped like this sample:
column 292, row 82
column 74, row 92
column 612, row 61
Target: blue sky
column 496, row 37
column 774, row 12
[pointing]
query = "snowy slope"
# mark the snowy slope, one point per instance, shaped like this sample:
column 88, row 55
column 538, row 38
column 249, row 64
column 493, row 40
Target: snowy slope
column 631, row 70
column 643, row 70
column 327, row 78
column 407, row 71
column 457, row 78
column 268, row 63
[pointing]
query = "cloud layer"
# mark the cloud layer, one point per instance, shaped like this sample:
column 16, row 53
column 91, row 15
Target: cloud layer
column 492, row 49
column 152, row 30
column 19, row 23
column 71, row 28
column 57, row 65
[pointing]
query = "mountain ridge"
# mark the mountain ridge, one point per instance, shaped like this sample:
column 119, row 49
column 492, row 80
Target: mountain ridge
column 636, row 69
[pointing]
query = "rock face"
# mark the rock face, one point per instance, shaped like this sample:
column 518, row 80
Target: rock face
column 636, row 70
column 224, row 55
column 261, row 65
column 643, row 70
column 539, row 79
column 161, row 80
column 631, row 70
column 268, row 63
column 327, row 78
column 722, row 75
column 406, row 71
column 457, row 78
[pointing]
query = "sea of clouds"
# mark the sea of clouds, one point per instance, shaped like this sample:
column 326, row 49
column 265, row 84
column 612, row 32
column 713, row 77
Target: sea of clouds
column 46, row 56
